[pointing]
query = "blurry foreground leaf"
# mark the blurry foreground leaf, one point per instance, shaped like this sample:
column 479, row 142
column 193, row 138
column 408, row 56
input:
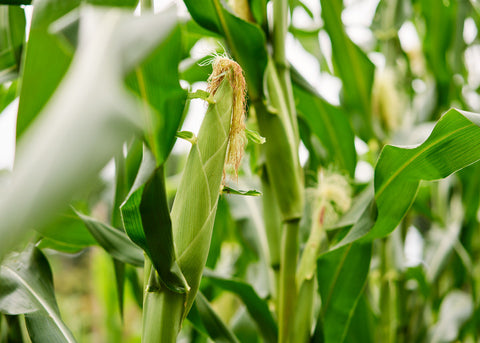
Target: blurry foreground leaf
column 101, row 116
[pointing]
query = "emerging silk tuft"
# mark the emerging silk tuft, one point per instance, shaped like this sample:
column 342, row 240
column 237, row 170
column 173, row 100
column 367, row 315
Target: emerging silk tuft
column 225, row 67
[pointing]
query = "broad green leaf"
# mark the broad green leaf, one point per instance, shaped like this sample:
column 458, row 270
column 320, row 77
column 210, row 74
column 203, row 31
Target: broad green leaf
column 26, row 287
column 329, row 124
column 341, row 275
column 455, row 310
column 12, row 36
column 215, row 327
column 245, row 40
column 451, row 146
column 256, row 306
column 101, row 117
column 155, row 81
column 352, row 66
column 362, row 325
column 114, row 241
column 147, row 222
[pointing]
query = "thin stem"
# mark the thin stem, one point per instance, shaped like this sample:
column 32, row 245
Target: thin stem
column 288, row 287
column 273, row 230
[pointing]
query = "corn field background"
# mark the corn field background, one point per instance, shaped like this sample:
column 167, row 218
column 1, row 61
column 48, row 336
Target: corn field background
column 240, row 171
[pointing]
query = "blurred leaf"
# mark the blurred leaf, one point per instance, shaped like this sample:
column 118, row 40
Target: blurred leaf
column 455, row 310
column 362, row 325
column 452, row 145
column 40, row 77
column 329, row 124
column 342, row 275
column 229, row 190
column 26, row 287
column 114, row 241
column 352, row 66
column 155, row 81
column 12, row 37
column 7, row 95
column 245, row 40
column 101, row 117
column 67, row 233
column 217, row 330
column 256, row 306
column 439, row 24
column 147, row 222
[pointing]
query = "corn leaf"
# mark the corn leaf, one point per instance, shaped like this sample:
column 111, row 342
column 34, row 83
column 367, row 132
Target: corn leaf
column 341, row 276
column 451, row 146
column 101, row 117
column 216, row 328
column 7, row 95
column 155, row 81
column 245, row 40
column 26, row 287
column 114, row 241
column 147, row 222
column 12, row 36
column 352, row 66
column 329, row 123
column 66, row 232
column 41, row 77
column 256, row 306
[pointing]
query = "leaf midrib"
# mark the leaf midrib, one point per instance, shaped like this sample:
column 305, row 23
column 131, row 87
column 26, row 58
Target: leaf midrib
column 415, row 156
column 50, row 311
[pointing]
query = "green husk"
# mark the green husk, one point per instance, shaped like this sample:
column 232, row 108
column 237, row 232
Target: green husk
column 193, row 214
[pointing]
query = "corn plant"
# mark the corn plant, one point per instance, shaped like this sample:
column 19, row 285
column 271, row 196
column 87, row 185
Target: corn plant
column 294, row 215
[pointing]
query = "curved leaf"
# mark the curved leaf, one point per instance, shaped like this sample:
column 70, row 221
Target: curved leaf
column 216, row 328
column 453, row 145
column 256, row 306
column 26, row 287
column 147, row 222
column 114, row 241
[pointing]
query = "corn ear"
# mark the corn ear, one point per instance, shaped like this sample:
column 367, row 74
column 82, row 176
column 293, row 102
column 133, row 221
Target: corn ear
column 195, row 204
column 194, row 208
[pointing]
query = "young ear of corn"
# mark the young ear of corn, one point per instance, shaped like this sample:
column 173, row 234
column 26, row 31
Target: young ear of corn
column 195, row 204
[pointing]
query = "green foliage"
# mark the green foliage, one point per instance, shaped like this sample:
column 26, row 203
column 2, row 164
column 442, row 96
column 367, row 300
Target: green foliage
column 389, row 255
